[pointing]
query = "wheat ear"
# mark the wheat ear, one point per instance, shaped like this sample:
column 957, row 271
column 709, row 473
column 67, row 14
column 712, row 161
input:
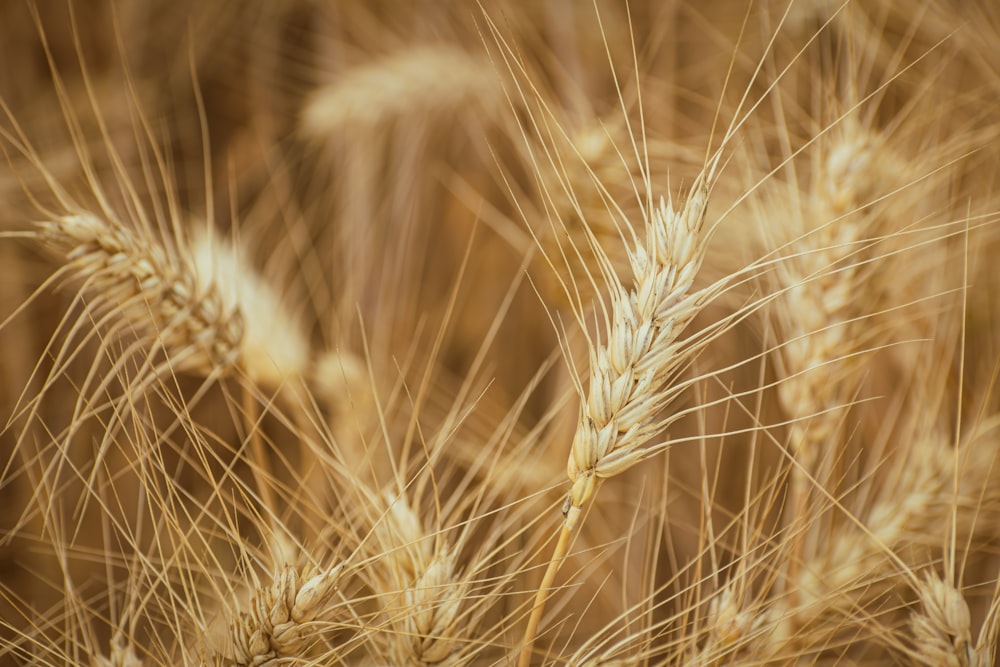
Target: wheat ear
column 628, row 373
column 281, row 620
column 419, row 589
column 150, row 290
column 201, row 306
column 423, row 80
column 942, row 635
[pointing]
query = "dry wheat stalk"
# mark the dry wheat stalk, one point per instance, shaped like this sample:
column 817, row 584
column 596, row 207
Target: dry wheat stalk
column 284, row 619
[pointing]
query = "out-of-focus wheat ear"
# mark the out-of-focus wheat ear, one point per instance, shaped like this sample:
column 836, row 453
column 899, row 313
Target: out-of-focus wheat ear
column 733, row 629
column 283, row 620
column 861, row 566
column 828, row 289
column 273, row 350
column 340, row 381
column 414, row 84
column 823, row 281
column 941, row 628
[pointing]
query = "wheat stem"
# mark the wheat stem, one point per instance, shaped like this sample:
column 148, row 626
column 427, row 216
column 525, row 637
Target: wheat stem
column 544, row 589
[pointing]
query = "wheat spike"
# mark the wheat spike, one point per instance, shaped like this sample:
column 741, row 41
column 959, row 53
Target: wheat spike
column 628, row 371
column 941, row 629
column 151, row 291
column 420, row 591
column 282, row 620
column 421, row 80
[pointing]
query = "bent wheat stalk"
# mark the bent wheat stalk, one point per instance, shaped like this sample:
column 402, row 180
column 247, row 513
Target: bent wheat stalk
column 629, row 374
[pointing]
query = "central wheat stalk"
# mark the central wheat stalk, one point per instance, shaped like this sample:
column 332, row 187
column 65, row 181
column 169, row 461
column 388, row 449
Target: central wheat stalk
column 629, row 375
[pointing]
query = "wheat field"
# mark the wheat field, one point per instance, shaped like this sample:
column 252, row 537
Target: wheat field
column 509, row 332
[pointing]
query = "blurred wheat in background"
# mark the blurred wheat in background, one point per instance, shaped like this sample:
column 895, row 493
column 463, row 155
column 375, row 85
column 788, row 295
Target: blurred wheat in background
column 611, row 332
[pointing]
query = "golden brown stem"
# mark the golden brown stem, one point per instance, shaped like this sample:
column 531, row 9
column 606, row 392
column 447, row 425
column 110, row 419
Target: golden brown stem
column 546, row 586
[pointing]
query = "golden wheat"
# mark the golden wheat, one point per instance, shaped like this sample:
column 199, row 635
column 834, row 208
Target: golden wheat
column 333, row 305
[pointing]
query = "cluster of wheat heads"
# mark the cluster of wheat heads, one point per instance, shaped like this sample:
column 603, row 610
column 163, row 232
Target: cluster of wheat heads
column 336, row 332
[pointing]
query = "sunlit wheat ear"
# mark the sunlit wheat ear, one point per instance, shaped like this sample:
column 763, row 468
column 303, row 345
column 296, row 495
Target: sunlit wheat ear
column 419, row 590
column 149, row 291
column 415, row 84
column 206, row 311
column 941, row 628
column 284, row 620
column 824, row 280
